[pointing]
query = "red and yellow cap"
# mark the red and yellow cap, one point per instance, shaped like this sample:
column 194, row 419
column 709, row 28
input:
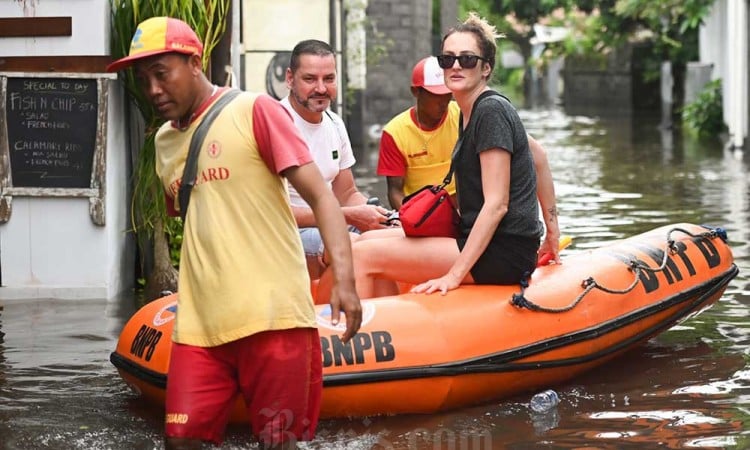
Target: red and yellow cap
column 159, row 35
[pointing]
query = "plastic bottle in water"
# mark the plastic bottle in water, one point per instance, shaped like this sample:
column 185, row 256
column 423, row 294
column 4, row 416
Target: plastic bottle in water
column 544, row 401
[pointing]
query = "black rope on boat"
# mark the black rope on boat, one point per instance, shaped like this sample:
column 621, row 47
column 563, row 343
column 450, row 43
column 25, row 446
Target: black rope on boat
column 518, row 300
column 589, row 284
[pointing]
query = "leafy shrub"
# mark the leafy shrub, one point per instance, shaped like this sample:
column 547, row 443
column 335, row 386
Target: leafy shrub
column 704, row 116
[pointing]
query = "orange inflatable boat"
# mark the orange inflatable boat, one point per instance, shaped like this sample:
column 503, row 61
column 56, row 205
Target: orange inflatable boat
column 427, row 353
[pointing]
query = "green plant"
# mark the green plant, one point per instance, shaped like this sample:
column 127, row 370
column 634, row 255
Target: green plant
column 371, row 51
column 154, row 230
column 704, row 117
column 509, row 82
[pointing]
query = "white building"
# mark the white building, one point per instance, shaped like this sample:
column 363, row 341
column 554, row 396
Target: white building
column 724, row 46
column 63, row 154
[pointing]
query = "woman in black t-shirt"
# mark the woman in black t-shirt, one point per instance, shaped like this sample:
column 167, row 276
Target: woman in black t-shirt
column 496, row 182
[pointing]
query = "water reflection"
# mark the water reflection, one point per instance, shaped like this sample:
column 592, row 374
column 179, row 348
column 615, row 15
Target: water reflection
column 543, row 422
column 689, row 387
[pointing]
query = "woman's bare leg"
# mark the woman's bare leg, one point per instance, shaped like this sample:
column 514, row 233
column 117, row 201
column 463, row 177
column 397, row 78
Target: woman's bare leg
column 383, row 257
column 382, row 233
column 410, row 260
column 382, row 287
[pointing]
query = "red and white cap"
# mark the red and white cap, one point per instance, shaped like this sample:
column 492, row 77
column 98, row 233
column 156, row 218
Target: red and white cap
column 428, row 74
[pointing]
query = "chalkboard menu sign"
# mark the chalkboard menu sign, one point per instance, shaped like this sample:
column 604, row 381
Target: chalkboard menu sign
column 53, row 134
column 52, row 128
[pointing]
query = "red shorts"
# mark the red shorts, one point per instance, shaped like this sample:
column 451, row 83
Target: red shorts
column 279, row 374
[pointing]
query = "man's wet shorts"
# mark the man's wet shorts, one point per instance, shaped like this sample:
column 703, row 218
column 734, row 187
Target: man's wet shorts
column 279, row 374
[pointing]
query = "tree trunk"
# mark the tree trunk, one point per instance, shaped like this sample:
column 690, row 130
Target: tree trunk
column 679, row 72
column 528, row 78
column 163, row 277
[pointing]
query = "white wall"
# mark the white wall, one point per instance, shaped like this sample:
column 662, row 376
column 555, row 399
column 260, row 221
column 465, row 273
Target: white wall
column 724, row 42
column 50, row 247
column 90, row 28
column 712, row 38
column 263, row 37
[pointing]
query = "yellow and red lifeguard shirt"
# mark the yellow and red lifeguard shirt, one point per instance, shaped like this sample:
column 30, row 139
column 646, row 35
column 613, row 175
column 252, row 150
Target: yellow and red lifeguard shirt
column 421, row 156
column 242, row 269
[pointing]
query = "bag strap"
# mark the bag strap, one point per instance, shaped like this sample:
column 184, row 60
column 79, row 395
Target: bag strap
column 459, row 143
column 191, row 163
column 454, row 157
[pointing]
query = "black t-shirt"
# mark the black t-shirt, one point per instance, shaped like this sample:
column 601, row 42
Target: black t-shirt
column 494, row 123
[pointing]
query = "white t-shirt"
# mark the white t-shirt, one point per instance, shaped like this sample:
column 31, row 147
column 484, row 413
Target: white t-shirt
column 329, row 145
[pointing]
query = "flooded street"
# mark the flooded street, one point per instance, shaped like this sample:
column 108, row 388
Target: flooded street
column 688, row 387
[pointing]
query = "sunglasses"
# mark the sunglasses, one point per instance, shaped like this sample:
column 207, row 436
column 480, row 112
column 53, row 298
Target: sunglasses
column 465, row 61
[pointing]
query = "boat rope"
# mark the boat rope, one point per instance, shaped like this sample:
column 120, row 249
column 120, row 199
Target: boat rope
column 636, row 266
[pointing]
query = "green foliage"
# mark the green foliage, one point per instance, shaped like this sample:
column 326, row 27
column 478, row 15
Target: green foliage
column 704, row 116
column 175, row 245
column 509, row 82
column 666, row 15
column 599, row 26
column 482, row 7
column 673, row 23
column 379, row 45
column 592, row 35
column 528, row 11
column 670, row 25
column 208, row 19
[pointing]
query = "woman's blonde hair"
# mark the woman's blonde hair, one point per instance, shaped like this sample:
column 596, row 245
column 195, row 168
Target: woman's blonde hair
column 486, row 35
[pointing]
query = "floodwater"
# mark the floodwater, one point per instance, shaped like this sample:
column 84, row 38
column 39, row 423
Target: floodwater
column 687, row 388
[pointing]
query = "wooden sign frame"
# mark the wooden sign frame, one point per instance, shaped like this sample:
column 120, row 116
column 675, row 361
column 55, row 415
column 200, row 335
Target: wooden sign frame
column 97, row 188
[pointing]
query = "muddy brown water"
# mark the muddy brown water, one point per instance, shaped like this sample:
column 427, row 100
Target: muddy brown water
column 687, row 388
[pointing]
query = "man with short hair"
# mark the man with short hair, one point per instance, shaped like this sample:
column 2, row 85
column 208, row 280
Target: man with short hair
column 312, row 81
column 245, row 321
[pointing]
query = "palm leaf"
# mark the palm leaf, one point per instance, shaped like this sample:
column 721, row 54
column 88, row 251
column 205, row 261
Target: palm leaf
column 208, row 19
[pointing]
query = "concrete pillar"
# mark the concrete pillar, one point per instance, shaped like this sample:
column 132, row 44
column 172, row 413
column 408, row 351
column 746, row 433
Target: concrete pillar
column 698, row 75
column 737, row 80
column 356, row 70
column 667, row 84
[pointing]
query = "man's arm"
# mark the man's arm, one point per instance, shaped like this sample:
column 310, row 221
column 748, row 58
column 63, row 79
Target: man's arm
column 354, row 204
column 392, row 165
column 545, row 189
column 345, row 189
column 395, row 191
column 307, row 180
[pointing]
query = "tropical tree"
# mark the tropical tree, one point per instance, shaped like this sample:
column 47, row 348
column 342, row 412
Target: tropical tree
column 599, row 26
column 674, row 25
column 515, row 19
column 154, row 230
column 670, row 27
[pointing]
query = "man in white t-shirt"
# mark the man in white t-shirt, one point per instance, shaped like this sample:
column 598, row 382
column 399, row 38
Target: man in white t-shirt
column 311, row 79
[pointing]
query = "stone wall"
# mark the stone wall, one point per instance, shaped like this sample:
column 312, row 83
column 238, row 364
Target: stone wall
column 598, row 83
column 613, row 84
column 404, row 30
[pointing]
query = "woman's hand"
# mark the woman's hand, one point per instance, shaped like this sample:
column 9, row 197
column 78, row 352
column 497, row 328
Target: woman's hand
column 443, row 284
column 551, row 245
